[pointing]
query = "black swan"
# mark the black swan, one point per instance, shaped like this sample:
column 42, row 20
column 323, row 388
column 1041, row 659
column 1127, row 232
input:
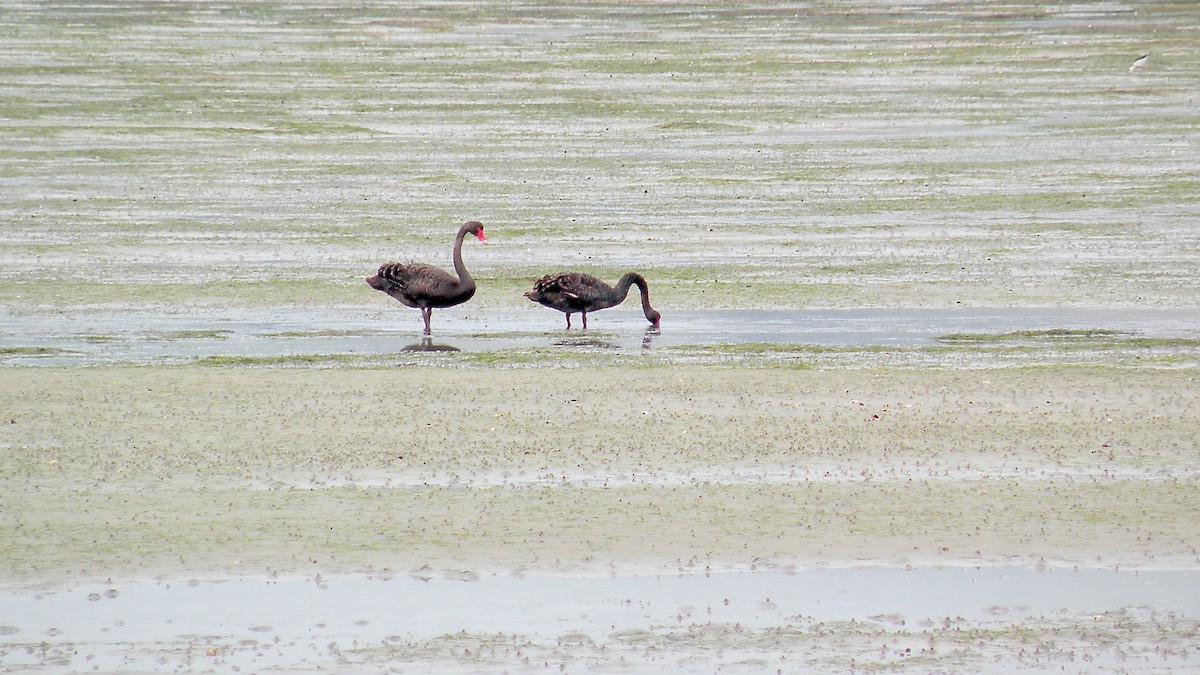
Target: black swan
column 425, row 286
column 572, row 292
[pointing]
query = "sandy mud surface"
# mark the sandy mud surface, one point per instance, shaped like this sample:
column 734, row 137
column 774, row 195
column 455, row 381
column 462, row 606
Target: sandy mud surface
column 663, row 517
column 924, row 398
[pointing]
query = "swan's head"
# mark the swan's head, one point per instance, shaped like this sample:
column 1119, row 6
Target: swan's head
column 476, row 228
column 380, row 281
column 653, row 317
column 377, row 283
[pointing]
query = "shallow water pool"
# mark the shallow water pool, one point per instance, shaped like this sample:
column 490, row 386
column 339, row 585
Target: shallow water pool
column 109, row 338
column 298, row 623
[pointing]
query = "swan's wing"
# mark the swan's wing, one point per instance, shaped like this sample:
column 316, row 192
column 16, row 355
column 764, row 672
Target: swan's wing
column 418, row 282
column 579, row 287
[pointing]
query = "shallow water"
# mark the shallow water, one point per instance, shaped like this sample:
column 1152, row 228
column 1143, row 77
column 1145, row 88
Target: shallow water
column 305, row 623
column 111, row 338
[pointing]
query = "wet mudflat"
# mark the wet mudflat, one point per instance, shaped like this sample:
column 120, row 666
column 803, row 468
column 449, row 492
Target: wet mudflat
column 655, row 488
column 739, row 621
column 924, row 396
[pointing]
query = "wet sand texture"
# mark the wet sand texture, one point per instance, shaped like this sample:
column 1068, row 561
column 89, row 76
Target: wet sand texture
column 493, row 490
column 831, row 155
column 173, row 471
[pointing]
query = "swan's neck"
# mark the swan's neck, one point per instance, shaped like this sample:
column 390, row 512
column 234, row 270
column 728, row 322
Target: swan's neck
column 634, row 279
column 622, row 288
column 464, row 277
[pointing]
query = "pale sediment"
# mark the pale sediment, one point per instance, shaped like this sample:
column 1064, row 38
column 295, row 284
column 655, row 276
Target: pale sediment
column 147, row 471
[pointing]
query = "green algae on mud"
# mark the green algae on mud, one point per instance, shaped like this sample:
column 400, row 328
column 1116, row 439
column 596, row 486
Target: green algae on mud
column 1096, row 338
column 1057, row 334
column 357, row 527
column 293, row 360
column 32, row 351
column 197, row 334
column 486, row 465
column 838, row 155
column 1111, row 345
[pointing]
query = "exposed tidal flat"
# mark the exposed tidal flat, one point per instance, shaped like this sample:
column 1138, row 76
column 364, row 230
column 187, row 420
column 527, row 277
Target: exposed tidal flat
column 923, row 399
column 842, row 155
column 237, row 470
column 669, row 517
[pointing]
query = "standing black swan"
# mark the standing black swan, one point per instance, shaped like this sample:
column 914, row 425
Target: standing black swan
column 425, row 286
column 571, row 292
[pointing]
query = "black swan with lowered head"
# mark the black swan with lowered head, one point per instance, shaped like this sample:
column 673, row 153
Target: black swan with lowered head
column 571, row 292
column 425, row 286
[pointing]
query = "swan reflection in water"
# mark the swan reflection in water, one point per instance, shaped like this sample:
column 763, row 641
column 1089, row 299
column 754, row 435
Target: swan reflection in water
column 586, row 342
column 596, row 342
column 426, row 345
column 589, row 342
column 651, row 333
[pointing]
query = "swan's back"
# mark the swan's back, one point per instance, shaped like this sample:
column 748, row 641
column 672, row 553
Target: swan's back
column 420, row 285
column 577, row 291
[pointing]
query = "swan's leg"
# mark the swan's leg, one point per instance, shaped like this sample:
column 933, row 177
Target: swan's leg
column 426, row 312
column 584, row 320
column 568, row 321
